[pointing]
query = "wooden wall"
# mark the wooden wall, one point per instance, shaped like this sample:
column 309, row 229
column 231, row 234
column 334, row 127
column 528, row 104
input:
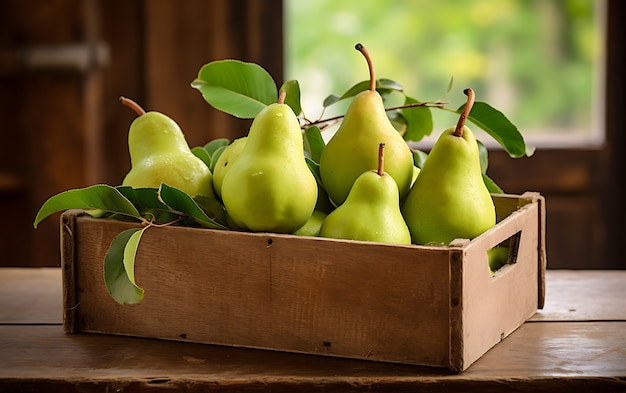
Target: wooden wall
column 62, row 124
column 63, row 127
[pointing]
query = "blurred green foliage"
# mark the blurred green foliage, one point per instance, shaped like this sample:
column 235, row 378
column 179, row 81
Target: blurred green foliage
column 532, row 59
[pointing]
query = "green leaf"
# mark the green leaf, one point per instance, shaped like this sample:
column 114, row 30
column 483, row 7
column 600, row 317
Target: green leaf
column 147, row 202
column 483, row 157
column 119, row 267
column 216, row 156
column 419, row 120
column 213, row 209
column 498, row 126
column 182, row 203
column 491, row 185
column 212, row 146
column 314, row 143
column 331, row 99
column 202, row 154
column 397, row 121
column 292, row 88
column 238, row 88
column 419, row 157
column 315, row 170
column 100, row 196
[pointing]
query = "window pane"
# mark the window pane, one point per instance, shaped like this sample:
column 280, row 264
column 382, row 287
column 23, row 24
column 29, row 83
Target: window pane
column 540, row 62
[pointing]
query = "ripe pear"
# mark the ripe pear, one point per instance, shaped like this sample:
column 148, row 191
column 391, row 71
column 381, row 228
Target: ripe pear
column 225, row 162
column 313, row 225
column 371, row 212
column 497, row 256
column 159, row 153
column 346, row 155
column 449, row 198
column 269, row 187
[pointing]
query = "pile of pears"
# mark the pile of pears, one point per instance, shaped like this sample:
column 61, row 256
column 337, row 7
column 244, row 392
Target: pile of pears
column 369, row 188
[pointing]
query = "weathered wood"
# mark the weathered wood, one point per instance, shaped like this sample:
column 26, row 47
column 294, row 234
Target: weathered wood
column 434, row 306
column 30, row 296
column 600, row 296
column 544, row 357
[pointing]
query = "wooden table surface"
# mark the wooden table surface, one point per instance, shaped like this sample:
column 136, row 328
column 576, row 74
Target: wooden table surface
column 577, row 343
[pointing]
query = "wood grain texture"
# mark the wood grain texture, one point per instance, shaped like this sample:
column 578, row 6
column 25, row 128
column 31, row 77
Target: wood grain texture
column 364, row 300
column 30, row 296
column 601, row 295
column 544, row 357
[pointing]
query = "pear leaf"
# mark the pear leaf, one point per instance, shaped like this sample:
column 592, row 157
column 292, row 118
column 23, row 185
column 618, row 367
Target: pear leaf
column 216, row 156
column 147, row 202
column 100, row 196
column 491, row 185
column 238, row 88
column 419, row 157
column 498, row 127
column 397, row 121
column 212, row 146
column 182, row 203
column 419, row 120
column 119, row 267
column 315, row 169
column 331, row 99
column 292, row 98
column 314, row 143
column 483, row 157
column 202, row 154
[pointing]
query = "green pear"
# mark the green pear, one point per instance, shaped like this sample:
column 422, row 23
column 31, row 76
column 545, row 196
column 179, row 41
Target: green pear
column 497, row 256
column 225, row 161
column 371, row 212
column 269, row 187
column 449, row 199
column 313, row 225
column 159, row 153
column 346, row 155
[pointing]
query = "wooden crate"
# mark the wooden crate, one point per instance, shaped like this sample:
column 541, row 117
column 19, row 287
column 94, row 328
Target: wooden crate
column 432, row 306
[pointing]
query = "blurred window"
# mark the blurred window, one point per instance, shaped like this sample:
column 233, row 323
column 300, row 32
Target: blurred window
column 540, row 62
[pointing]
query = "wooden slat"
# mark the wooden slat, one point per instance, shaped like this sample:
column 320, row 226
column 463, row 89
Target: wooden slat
column 573, row 295
column 30, row 296
column 544, row 357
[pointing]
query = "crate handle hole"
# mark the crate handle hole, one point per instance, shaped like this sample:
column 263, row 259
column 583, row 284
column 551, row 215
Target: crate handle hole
column 505, row 253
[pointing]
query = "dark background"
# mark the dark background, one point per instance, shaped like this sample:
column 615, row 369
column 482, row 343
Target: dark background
column 64, row 63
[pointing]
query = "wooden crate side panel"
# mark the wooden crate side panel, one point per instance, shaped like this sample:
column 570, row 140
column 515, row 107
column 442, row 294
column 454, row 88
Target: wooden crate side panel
column 348, row 299
column 494, row 306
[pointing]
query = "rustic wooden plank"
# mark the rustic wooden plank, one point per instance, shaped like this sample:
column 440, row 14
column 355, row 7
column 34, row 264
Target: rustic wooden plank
column 577, row 357
column 266, row 291
column 573, row 295
column 30, row 296
column 496, row 305
column 333, row 297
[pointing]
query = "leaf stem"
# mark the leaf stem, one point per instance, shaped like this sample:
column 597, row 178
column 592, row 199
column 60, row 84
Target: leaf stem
column 165, row 224
column 437, row 104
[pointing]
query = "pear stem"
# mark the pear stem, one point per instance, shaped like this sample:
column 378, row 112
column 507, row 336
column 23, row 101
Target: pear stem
column 366, row 54
column 458, row 131
column 381, row 159
column 133, row 105
column 281, row 96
